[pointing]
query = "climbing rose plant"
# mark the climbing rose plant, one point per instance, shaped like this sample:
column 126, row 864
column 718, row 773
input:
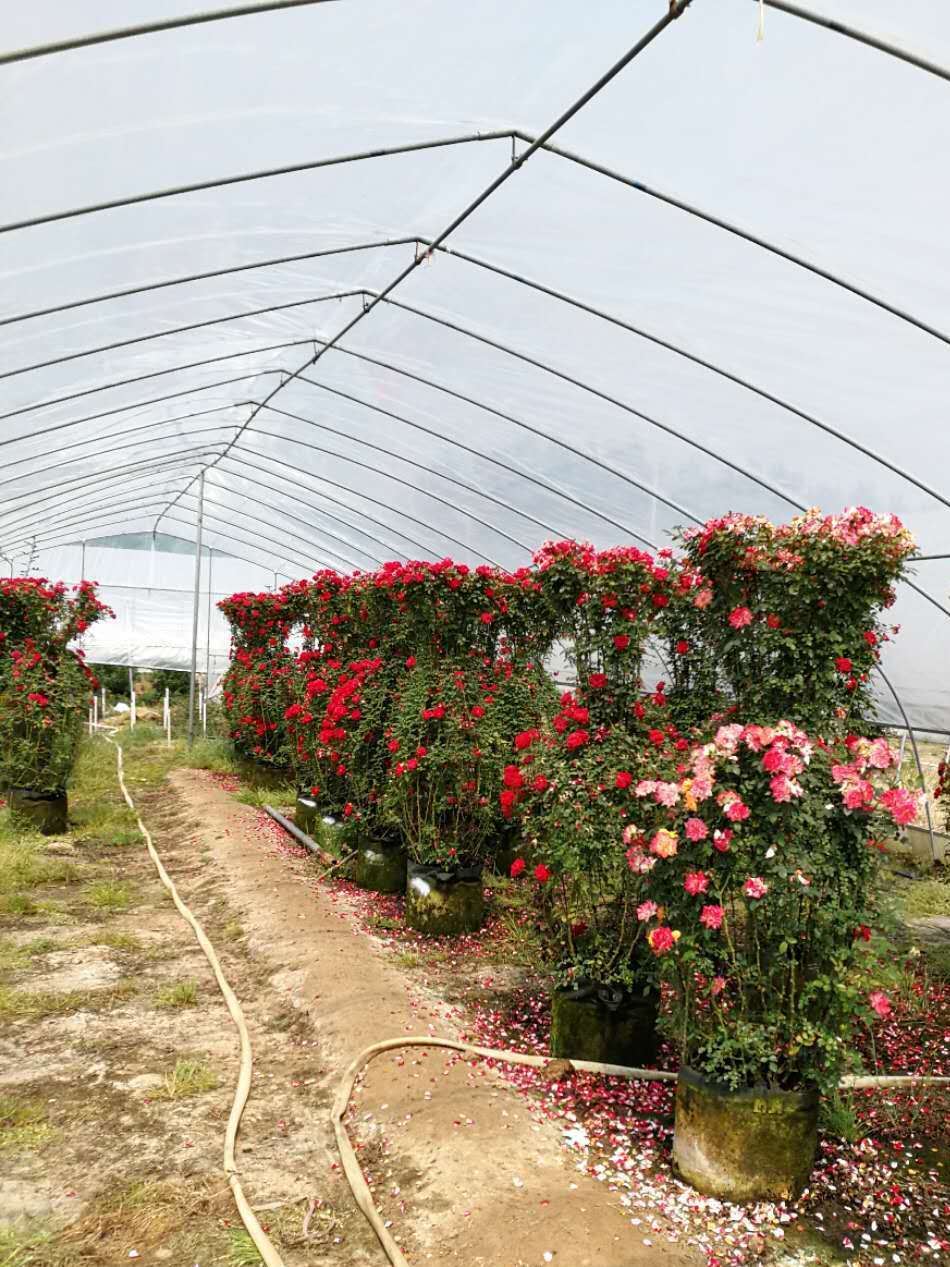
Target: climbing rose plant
column 45, row 685
column 760, row 857
column 791, row 614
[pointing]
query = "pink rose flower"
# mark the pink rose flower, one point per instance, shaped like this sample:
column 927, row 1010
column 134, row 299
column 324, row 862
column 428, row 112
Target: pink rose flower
column 739, row 617
column 755, row 887
column 696, row 829
column 695, row 882
column 711, row 917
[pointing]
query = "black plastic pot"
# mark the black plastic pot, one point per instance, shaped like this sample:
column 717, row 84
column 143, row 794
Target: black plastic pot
column 444, row 902
column 749, row 1145
column 614, row 1027
column 43, row 811
column 380, row 866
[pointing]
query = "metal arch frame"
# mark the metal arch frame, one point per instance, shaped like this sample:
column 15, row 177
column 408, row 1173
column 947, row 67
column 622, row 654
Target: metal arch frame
column 534, row 144
column 285, row 514
column 862, row 37
column 147, row 466
column 519, row 279
column 620, row 405
column 114, row 448
column 393, row 550
column 485, row 457
column 150, row 28
column 521, row 545
column 107, row 447
column 175, row 369
column 71, row 517
column 167, row 283
column 270, row 6
column 265, row 173
column 695, row 359
column 917, row 760
column 296, row 558
column 147, row 426
column 136, row 404
column 470, row 488
column 84, row 483
column 69, row 529
column 568, row 299
column 356, row 493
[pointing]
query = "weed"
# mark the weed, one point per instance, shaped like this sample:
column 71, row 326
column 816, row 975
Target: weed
column 920, row 898
column 181, row 994
column 232, row 931
column 408, row 959
column 242, row 1250
column 107, row 895
column 189, row 1077
column 123, row 942
column 211, row 754
column 839, row 1120
column 19, row 1005
column 23, row 1124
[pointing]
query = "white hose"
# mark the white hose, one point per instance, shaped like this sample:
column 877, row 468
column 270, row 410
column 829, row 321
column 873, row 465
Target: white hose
column 257, row 1234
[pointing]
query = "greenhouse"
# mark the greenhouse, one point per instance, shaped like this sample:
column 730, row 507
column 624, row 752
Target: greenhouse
column 474, row 627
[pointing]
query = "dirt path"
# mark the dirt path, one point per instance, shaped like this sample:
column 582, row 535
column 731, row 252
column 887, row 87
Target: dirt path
column 462, row 1168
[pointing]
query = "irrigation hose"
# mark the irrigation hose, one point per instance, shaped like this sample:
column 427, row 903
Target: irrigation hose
column 264, row 1245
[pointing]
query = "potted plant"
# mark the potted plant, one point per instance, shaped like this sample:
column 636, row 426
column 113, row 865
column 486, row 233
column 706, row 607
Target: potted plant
column 45, row 688
column 760, row 861
column 572, row 784
column 449, row 741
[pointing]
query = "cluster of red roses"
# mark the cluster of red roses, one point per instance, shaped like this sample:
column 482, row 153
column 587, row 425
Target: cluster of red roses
column 44, row 682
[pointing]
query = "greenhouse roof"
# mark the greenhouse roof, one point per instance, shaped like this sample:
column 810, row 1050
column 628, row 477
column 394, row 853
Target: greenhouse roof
column 415, row 279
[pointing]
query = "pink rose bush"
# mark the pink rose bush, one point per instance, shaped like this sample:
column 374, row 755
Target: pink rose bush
column 763, row 898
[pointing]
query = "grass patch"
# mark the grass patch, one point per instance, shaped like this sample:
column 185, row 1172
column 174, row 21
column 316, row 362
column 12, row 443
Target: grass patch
column 189, row 1077
column 107, row 895
column 181, row 994
column 920, row 898
column 408, row 959
column 242, row 1251
column 23, row 1125
column 126, row 943
column 20, row 1005
column 211, row 754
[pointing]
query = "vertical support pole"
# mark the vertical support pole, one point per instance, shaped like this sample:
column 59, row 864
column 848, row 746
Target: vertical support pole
column 208, row 626
column 95, row 711
column 102, row 700
column 194, row 621
column 82, row 563
column 167, row 718
column 131, row 698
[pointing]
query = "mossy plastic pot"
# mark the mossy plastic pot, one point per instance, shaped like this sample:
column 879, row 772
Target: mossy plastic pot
column 749, row 1145
column 42, row 811
column 306, row 814
column 444, row 903
column 609, row 1026
column 380, row 866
